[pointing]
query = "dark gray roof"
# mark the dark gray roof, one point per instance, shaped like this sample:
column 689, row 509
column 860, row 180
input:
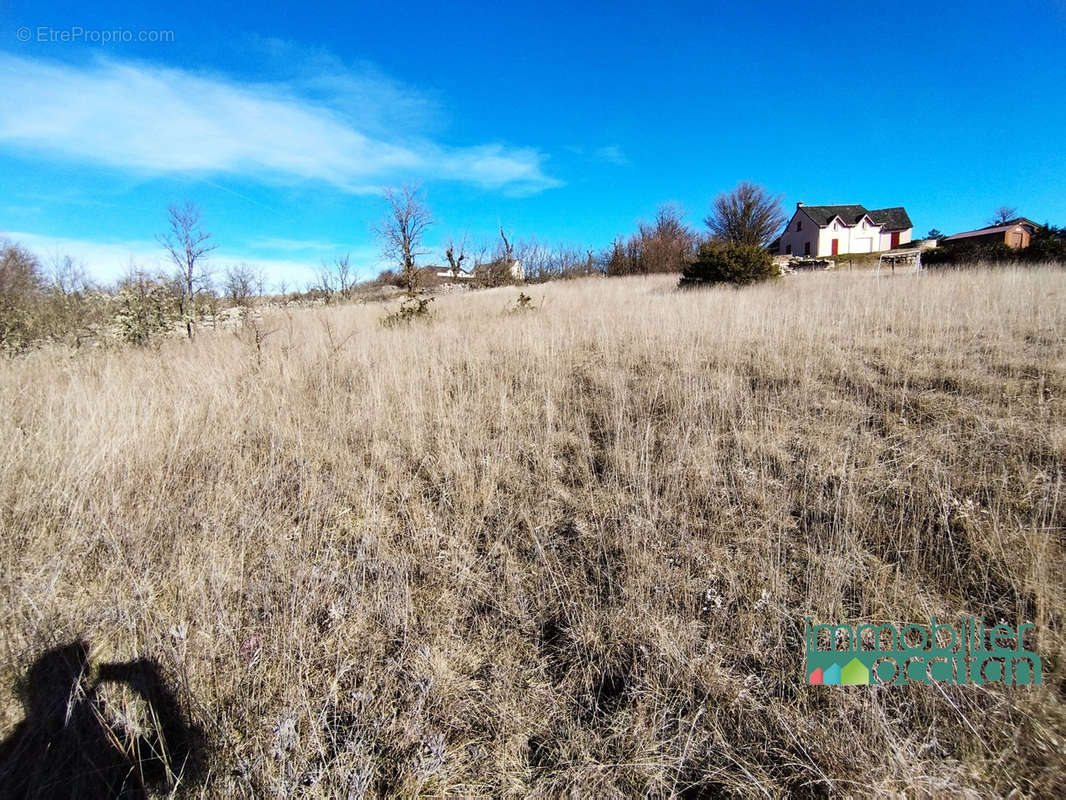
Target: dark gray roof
column 823, row 215
column 892, row 219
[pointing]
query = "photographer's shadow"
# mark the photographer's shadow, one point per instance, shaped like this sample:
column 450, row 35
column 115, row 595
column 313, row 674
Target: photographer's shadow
column 69, row 746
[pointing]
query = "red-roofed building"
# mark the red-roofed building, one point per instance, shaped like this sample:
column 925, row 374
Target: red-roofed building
column 1014, row 233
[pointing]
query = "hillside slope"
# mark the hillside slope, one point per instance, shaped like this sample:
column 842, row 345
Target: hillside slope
column 564, row 550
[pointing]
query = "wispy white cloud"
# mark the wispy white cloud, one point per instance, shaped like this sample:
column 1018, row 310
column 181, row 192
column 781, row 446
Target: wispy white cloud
column 295, row 245
column 105, row 260
column 158, row 120
column 380, row 103
column 612, row 154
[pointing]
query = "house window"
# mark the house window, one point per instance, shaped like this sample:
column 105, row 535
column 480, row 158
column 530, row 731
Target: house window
column 799, row 225
column 788, row 249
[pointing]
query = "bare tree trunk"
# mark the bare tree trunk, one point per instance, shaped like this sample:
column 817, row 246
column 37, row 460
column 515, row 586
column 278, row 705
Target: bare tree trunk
column 188, row 245
column 402, row 232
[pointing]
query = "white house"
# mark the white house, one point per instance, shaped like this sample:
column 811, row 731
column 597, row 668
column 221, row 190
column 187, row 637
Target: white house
column 513, row 269
column 501, row 266
column 518, row 272
column 837, row 230
column 448, row 274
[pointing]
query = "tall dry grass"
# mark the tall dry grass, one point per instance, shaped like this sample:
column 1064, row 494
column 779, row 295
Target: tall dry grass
column 565, row 552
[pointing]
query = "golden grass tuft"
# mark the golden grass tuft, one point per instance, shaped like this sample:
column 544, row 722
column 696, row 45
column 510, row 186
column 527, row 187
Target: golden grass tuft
column 563, row 552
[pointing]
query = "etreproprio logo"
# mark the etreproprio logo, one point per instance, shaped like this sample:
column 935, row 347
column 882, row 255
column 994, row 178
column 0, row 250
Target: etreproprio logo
column 970, row 653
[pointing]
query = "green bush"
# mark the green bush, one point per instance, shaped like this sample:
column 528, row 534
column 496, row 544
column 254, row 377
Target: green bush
column 1047, row 244
column 738, row 264
column 974, row 253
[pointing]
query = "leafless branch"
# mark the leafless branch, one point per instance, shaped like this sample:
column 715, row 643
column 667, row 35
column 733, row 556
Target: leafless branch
column 188, row 246
column 746, row 215
column 402, row 231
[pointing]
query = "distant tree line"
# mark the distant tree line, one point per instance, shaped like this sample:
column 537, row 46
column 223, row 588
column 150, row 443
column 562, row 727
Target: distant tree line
column 666, row 244
column 741, row 225
column 57, row 301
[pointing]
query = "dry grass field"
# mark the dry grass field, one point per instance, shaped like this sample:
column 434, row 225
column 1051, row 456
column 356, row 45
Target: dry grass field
column 563, row 552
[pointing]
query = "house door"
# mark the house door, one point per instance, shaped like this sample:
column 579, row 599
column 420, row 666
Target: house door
column 895, row 240
column 806, row 248
column 836, row 246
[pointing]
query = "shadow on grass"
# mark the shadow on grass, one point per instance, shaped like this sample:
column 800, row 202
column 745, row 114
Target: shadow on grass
column 69, row 745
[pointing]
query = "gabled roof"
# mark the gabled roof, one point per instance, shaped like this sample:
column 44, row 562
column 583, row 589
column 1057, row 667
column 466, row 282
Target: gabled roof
column 848, row 223
column 823, row 215
column 892, row 219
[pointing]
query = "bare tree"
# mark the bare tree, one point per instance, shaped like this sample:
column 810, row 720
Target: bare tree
column 1003, row 215
column 402, row 232
column 324, row 282
column 336, row 278
column 665, row 245
column 542, row 261
column 537, row 258
column 456, row 257
column 68, row 275
column 498, row 270
column 242, row 284
column 188, row 245
column 20, row 274
column 342, row 268
column 506, row 249
column 746, row 215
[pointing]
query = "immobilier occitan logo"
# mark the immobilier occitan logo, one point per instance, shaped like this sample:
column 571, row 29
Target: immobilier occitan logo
column 967, row 653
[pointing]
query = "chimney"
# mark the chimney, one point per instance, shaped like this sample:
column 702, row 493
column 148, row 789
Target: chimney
column 799, row 205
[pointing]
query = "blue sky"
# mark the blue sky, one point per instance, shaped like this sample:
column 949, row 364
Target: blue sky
column 568, row 122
